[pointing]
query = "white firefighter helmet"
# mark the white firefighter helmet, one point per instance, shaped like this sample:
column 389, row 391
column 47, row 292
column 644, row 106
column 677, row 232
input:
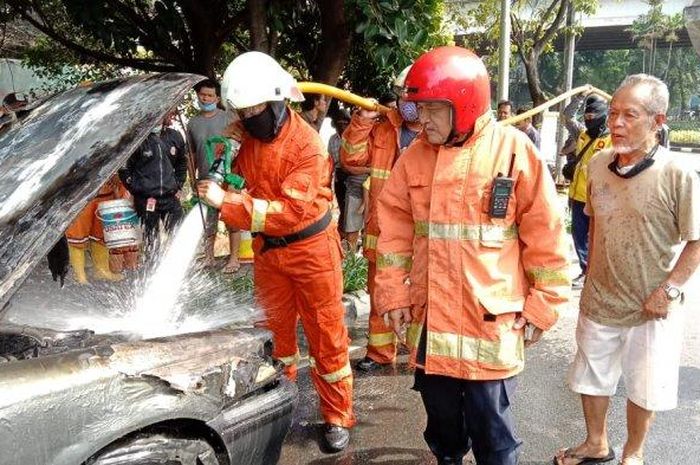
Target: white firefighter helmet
column 400, row 80
column 255, row 77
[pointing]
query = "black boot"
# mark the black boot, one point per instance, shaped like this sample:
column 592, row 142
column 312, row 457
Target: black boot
column 368, row 365
column 446, row 461
column 337, row 437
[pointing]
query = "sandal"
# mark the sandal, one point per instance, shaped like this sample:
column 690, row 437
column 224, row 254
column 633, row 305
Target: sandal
column 582, row 459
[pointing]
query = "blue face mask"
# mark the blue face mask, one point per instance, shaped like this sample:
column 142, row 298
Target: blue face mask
column 207, row 106
column 409, row 111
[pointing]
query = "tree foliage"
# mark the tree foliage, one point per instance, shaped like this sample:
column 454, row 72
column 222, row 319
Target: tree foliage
column 314, row 38
column 536, row 24
column 652, row 28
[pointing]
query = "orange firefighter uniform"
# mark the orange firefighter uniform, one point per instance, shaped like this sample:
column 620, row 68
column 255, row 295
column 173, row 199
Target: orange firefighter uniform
column 87, row 227
column 288, row 190
column 465, row 275
column 376, row 145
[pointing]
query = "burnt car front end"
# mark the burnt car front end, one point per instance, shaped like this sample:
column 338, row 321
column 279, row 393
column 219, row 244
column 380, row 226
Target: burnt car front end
column 106, row 403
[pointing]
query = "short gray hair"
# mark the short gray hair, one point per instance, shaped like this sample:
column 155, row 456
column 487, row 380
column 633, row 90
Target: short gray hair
column 656, row 101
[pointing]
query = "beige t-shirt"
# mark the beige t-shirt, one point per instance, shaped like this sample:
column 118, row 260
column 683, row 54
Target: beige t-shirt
column 640, row 223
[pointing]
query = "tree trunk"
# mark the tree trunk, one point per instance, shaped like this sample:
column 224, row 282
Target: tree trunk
column 335, row 44
column 530, row 62
column 257, row 9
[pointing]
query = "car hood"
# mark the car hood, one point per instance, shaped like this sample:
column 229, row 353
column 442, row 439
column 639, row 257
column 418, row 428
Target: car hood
column 63, row 152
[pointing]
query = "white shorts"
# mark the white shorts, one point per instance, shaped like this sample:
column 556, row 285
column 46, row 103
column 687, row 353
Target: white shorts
column 647, row 356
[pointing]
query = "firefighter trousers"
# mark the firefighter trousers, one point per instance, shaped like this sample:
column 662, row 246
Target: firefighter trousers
column 304, row 281
column 381, row 341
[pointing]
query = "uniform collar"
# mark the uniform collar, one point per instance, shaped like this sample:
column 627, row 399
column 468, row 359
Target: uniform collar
column 394, row 118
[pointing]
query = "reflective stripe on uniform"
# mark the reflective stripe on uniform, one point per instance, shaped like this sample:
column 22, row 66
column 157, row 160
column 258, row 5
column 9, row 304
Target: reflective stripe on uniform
column 335, row 376
column 295, row 194
column 381, row 339
column 291, row 360
column 412, row 334
column 506, row 352
column 466, row 232
column 548, row 276
column 258, row 215
column 369, row 241
column 392, row 259
column 353, row 148
column 380, row 174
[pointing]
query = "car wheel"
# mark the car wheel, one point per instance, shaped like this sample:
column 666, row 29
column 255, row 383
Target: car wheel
column 157, row 450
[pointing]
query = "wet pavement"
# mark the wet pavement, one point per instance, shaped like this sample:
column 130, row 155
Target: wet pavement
column 391, row 416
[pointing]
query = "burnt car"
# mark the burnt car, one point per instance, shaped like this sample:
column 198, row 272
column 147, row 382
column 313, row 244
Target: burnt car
column 70, row 395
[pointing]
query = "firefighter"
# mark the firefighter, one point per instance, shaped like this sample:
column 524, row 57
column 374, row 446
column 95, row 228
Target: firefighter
column 471, row 256
column 286, row 204
column 376, row 142
column 86, row 232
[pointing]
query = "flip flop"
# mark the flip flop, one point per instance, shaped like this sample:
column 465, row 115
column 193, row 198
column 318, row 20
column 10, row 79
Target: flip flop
column 568, row 454
column 230, row 269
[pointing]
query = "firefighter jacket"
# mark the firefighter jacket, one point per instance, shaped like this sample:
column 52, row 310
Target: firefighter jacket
column 465, row 275
column 368, row 143
column 579, row 185
column 287, row 181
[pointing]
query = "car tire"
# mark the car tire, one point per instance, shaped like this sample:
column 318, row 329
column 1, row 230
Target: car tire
column 157, row 450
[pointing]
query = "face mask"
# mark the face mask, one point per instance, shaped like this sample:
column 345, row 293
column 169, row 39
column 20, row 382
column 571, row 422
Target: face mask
column 640, row 166
column 266, row 125
column 595, row 126
column 409, row 111
column 207, row 106
column 157, row 129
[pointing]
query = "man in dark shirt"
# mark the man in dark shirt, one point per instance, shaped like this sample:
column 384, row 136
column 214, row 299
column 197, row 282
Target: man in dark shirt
column 527, row 127
column 154, row 175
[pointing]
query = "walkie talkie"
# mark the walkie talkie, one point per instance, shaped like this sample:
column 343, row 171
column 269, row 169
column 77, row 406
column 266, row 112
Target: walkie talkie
column 501, row 189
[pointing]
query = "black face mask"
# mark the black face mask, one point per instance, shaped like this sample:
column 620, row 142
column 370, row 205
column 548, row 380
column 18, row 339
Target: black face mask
column 595, row 126
column 640, row 166
column 266, row 125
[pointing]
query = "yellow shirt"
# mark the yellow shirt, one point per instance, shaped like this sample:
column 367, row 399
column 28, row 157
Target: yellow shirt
column 578, row 186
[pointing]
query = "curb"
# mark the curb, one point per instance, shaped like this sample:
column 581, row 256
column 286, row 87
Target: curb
column 685, row 149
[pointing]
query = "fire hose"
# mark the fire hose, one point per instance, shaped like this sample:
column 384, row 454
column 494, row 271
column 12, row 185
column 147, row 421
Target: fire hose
column 370, row 104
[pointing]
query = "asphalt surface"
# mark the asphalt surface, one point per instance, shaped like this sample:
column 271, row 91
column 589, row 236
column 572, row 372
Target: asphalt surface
column 391, row 418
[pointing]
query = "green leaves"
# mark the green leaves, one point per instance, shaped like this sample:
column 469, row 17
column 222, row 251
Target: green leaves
column 389, row 35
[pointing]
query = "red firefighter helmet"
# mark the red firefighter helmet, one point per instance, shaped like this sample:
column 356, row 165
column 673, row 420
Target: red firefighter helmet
column 455, row 75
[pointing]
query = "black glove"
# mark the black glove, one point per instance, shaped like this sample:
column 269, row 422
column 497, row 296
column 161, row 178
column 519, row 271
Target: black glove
column 58, row 260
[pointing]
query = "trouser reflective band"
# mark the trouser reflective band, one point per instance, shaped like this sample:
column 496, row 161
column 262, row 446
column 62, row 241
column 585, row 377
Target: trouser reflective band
column 291, row 360
column 381, row 339
column 335, row 376
column 369, row 241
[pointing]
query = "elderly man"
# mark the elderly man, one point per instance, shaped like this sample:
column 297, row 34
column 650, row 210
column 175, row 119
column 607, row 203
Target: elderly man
column 471, row 249
column 643, row 205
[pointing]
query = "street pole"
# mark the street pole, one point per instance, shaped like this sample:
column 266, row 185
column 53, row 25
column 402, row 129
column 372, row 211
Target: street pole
column 569, row 49
column 504, row 52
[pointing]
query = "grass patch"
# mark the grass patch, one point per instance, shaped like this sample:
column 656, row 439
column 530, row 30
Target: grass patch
column 243, row 284
column 354, row 273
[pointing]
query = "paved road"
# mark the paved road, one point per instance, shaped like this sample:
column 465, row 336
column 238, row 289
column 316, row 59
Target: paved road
column 391, row 417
